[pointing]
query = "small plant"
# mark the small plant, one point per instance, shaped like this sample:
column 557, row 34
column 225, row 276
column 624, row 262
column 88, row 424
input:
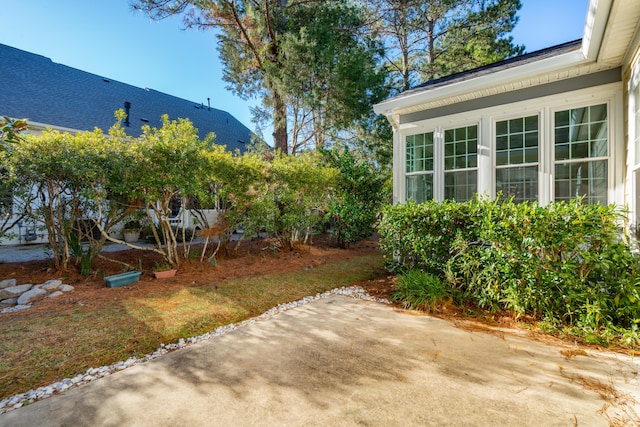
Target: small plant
column 132, row 226
column 162, row 266
column 421, row 291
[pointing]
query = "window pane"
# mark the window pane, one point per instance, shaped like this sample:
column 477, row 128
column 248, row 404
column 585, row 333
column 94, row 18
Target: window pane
column 562, row 135
column 472, row 161
column 521, row 133
column 579, row 150
column 516, row 157
column 585, row 179
column 531, row 155
column 420, row 187
column 521, row 183
column 562, row 151
column 562, row 118
column 598, row 130
column 531, row 139
column 531, row 123
column 516, row 126
column 460, row 186
column 598, row 113
column 584, row 136
column 502, row 128
column 502, row 157
column 460, row 148
column 517, row 141
column 419, row 155
column 502, row 142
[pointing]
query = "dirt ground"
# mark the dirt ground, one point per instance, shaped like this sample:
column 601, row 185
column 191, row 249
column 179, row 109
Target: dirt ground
column 252, row 258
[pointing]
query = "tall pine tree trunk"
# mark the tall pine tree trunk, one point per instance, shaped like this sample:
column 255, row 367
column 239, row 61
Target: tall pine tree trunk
column 280, row 123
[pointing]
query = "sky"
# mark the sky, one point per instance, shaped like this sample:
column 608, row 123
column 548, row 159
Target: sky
column 107, row 38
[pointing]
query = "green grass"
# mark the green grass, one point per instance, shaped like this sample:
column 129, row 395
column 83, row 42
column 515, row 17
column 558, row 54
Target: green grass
column 40, row 349
column 418, row 290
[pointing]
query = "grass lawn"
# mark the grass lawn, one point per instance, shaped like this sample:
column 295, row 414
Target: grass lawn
column 44, row 347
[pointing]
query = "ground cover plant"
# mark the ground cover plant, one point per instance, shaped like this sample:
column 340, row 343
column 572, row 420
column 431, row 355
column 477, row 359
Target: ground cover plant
column 95, row 326
column 567, row 265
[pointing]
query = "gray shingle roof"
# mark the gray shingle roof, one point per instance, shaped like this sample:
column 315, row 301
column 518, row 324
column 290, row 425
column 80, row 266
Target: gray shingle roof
column 36, row 88
column 497, row 66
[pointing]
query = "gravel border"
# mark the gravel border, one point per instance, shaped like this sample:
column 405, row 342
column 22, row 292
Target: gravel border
column 20, row 400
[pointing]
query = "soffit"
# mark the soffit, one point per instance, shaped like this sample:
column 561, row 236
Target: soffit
column 500, row 87
column 621, row 28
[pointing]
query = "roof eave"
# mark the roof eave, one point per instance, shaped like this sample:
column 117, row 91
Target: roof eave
column 594, row 28
column 542, row 66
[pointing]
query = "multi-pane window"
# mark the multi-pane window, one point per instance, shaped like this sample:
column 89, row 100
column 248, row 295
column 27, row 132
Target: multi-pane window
column 419, row 177
column 581, row 154
column 461, row 163
column 517, row 158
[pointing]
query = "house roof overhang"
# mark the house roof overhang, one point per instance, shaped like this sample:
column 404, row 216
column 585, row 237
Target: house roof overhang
column 549, row 65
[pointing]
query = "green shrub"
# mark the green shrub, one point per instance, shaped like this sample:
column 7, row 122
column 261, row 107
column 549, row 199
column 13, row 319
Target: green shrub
column 421, row 291
column 298, row 188
column 358, row 197
column 568, row 263
column 420, row 235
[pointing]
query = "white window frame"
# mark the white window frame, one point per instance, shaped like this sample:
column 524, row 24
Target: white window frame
column 633, row 156
column 607, row 158
column 438, row 159
column 431, row 172
column 468, row 169
column 545, row 107
column 494, row 148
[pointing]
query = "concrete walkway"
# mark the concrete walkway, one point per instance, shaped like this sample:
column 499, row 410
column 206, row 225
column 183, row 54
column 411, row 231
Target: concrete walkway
column 343, row 362
column 39, row 251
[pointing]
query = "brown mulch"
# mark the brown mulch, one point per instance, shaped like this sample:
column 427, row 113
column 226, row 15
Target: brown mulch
column 252, row 258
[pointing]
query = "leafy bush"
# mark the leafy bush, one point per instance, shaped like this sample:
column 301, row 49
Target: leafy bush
column 421, row 291
column 360, row 192
column 420, row 235
column 568, row 263
column 284, row 197
column 299, row 187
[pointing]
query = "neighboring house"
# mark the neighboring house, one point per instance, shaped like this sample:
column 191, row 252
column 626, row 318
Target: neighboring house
column 544, row 126
column 64, row 98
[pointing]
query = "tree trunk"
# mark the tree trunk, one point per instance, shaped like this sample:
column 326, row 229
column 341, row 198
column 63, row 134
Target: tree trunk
column 431, row 45
column 280, row 124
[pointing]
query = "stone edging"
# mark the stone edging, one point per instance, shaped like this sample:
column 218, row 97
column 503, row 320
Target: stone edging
column 19, row 400
column 14, row 297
